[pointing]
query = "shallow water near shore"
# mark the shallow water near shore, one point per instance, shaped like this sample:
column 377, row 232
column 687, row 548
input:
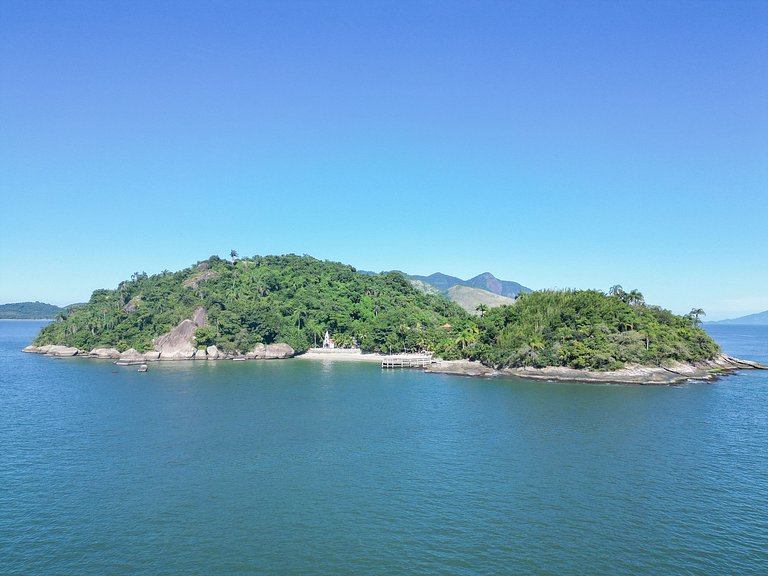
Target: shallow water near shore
column 299, row 467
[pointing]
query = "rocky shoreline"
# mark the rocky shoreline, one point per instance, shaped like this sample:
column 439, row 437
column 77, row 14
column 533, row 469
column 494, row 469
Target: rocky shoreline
column 666, row 375
column 260, row 352
column 178, row 344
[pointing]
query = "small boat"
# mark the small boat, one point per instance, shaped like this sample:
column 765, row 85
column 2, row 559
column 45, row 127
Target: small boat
column 143, row 368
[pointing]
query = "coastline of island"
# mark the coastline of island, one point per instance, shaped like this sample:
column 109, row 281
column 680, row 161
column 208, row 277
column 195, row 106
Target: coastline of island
column 667, row 375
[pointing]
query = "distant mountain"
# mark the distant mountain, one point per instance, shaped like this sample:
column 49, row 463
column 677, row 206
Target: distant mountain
column 29, row 311
column 470, row 298
column 761, row 318
column 439, row 280
column 484, row 281
column 488, row 281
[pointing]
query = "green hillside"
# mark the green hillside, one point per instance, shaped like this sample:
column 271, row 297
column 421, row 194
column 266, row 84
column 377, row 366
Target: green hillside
column 295, row 299
column 587, row 329
column 292, row 299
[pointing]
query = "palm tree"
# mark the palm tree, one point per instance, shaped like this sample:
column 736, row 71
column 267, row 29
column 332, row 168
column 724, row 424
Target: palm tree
column 233, row 254
column 635, row 297
column 482, row 309
column 617, row 291
column 468, row 337
column 694, row 315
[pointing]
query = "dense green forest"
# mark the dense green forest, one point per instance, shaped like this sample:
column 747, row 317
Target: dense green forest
column 29, row 311
column 292, row 299
column 587, row 329
column 295, row 299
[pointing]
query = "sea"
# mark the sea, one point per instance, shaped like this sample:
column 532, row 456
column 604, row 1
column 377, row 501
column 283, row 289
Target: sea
column 311, row 467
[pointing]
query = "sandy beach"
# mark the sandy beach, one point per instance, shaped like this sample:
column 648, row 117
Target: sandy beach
column 341, row 355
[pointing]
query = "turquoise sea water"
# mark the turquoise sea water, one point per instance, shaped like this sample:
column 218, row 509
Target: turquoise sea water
column 300, row 467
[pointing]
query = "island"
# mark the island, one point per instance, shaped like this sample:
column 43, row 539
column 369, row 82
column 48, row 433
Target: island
column 29, row 311
column 276, row 307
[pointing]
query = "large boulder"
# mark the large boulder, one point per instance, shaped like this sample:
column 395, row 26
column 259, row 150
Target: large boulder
column 32, row 349
column 179, row 344
column 279, row 350
column 131, row 354
column 105, row 353
column 200, row 355
column 62, row 351
column 270, row 352
column 212, row 353
column 258, row 353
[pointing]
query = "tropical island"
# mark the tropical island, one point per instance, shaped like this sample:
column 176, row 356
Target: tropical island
column 29, row 311
column 281, row 306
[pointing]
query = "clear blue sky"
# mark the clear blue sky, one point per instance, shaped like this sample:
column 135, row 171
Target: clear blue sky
column 558, row 144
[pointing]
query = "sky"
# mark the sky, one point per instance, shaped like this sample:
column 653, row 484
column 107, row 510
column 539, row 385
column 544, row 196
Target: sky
column 556, row 144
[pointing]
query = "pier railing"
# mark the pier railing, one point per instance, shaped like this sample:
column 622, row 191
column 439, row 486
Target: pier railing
column 407, row 361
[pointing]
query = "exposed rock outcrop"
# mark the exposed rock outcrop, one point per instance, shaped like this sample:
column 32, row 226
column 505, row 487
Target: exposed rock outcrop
column 131, row 355
column 178, row 344
column 673, row 373
column 461, row 368
column 271, row 352
column 212, row 353
column 630, row 374
column 62, row 351
column 201, row 276
column 104, row 353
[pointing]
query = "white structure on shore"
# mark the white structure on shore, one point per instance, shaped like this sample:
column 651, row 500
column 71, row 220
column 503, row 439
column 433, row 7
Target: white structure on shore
column 327, row 342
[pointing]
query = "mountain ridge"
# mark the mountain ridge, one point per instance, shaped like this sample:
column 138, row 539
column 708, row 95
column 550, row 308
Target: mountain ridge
column 756, row 319
column 29, row 311
column 485, row 281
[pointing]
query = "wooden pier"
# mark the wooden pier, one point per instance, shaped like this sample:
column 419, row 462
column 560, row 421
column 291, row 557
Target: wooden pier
column 407, row 361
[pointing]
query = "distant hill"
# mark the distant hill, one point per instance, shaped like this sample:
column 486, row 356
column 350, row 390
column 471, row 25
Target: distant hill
column 438, row 280
column 488, row 281
column 29, row 311
column 470, row 298
column 761, row 318
column 485, row 281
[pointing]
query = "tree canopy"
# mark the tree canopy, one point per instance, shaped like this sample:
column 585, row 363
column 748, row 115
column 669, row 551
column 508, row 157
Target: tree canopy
column 588, row 329
column 265, row 299
column 296, row 299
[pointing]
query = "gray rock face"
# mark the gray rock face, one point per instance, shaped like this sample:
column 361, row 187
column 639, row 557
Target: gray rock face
column 259, row 352
column 62, row 351
column 270, row 352
column 279, row 350
column 201, row 355
column 31, row 349
column 178, row 344
column 201, row 276
column 152, row 355
column 212, row 352
column 131, row 354
column 105, row 353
